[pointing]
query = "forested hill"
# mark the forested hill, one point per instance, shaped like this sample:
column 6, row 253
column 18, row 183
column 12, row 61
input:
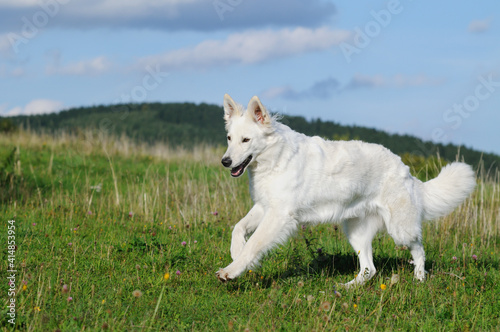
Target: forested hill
column 188, row 124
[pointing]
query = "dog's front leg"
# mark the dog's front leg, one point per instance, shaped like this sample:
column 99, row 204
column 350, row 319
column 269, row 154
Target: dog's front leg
column 246, row 225
column 274, row 228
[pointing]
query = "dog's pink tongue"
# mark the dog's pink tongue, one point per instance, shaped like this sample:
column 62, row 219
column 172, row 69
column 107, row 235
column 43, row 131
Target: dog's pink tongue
column 236, row 172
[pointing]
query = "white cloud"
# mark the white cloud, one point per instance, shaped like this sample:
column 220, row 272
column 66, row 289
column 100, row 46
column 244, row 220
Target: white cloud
column 19, row 3
column 37, row 106
column 329, row 87
column 199, row 15
column 112, row 9
column 17, row 72
column 478, row 26
column 399, row 81
column 278, row 92
column 95, row 66
column 5, row 46
column 14, row 72
column 249, row 47
column 364, row 81
column 323, row 89
column 4, row 43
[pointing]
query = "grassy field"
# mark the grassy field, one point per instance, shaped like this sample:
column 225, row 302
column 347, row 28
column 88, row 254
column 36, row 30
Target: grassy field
column 116, row 236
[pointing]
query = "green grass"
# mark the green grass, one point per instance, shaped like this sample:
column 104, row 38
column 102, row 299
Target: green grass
column 97, row 219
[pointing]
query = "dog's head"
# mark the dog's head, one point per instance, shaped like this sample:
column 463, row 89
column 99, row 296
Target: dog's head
column 247, row 132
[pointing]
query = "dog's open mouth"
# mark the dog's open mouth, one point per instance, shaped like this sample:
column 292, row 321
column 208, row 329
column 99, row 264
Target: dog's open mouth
column 238, row 170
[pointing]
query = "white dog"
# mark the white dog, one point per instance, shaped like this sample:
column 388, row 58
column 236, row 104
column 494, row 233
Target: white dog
column 296, row 179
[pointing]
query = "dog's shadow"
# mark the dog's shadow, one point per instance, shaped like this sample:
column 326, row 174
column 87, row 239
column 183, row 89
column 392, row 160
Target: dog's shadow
column 345, row 265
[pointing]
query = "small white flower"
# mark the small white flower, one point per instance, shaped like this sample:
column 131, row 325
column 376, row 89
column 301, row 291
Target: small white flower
column 394, row 279
column 97, row 187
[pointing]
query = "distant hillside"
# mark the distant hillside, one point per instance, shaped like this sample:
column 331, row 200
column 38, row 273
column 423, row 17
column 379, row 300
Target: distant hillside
column 188, row 124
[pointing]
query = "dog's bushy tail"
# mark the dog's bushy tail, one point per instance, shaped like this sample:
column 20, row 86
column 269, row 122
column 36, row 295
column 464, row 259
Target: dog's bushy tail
column 450, row 188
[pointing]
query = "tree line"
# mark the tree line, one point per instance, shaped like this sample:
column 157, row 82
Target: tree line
column 189, row 124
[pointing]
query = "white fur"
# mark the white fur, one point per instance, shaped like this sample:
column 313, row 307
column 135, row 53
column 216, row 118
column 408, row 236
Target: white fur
column 296, row 179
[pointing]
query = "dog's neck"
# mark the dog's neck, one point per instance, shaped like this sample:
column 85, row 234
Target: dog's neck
column 281, row 148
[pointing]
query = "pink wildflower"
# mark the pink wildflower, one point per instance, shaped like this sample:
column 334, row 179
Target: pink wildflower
column 65, row 288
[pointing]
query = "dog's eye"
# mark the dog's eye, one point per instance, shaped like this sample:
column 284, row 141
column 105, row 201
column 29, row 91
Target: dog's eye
column 246, row 140
column 228, row 138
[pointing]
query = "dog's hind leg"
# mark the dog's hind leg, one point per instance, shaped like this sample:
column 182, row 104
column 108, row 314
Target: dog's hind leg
column 360, row 233
column 418, row 254
column 405, row 227
column 246, row 225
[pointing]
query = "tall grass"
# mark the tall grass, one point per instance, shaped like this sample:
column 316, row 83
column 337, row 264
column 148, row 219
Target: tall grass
column 115, row 235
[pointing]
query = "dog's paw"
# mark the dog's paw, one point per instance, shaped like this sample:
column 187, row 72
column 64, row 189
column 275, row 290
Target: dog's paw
column 222, row 275
column 421, row 276
column 352, row 284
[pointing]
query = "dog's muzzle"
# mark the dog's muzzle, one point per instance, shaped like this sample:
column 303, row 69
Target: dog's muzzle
column 238, row 170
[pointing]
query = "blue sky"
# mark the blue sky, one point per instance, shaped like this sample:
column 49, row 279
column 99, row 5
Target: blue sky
column 430, row 69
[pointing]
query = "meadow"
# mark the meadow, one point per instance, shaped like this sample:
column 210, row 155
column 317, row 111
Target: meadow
column 119, row 236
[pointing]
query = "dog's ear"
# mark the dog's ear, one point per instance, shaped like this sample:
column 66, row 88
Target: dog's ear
column 258, row 112
column 230, row 108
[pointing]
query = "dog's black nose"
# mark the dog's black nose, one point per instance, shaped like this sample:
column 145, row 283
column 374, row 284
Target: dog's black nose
column 226, row 161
